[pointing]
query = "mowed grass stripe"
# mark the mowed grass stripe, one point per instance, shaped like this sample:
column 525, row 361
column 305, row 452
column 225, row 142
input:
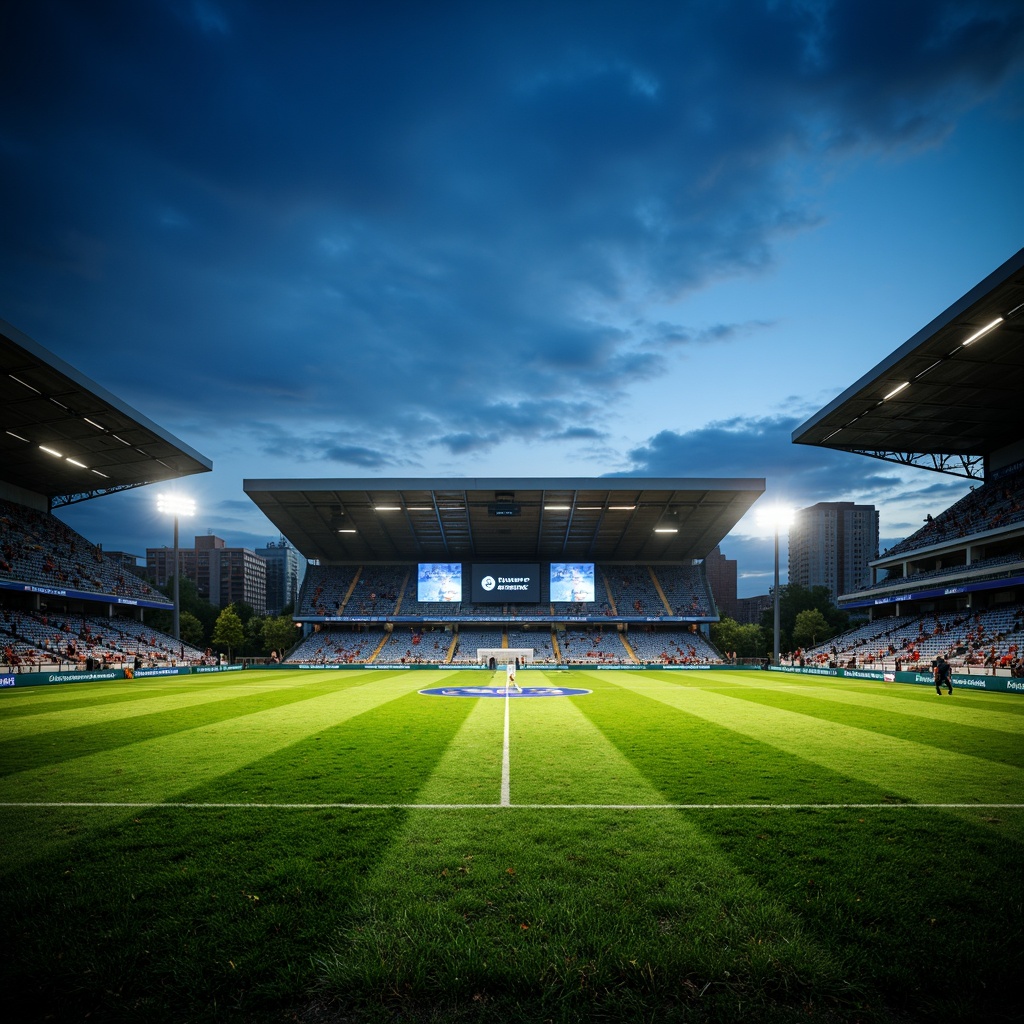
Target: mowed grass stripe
column 966, row 707
column 558, row 756
column 913, row 770
column 1003, row 747
column 470, row 770
column 379, row 756
column 161, row 768
column 561, row 912
column 47, row 740
column 693, row 761
column 148, row 700
column 25, row 702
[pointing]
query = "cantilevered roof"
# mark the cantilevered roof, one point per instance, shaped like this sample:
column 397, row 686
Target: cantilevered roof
column 68, row 439
column 948, row 397
column 498, row 519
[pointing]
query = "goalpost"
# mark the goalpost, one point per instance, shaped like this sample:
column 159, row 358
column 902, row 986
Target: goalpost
column 504, row 655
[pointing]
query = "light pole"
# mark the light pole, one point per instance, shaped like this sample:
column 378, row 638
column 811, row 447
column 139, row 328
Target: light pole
column 175, row 505
column 776, row 517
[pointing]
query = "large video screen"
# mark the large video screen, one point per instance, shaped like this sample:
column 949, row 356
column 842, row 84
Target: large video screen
column 572, row 581
column 504, row 583
column 439, row 581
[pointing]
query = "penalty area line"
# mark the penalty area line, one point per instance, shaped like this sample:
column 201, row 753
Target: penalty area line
column 148, row 805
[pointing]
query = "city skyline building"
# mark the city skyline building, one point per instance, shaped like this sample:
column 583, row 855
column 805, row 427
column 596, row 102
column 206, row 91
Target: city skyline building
column 722, row 576
column 221, row 574
column 282, row 562
column 831, row 544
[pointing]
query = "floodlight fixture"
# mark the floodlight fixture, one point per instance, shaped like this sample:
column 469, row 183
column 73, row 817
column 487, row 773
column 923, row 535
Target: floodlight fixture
column 668, row 523
column 775, row 518
column 176, row 505
column 979, row 334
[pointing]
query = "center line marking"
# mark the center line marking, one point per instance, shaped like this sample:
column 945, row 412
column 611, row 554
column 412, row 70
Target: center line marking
column 505, row 798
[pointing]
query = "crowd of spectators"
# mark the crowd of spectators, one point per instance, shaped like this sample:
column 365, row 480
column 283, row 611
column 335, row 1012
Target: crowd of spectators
column 987, row 640
column 38, row 549
column 36, row 641
column 988, row 507
column 418, row 645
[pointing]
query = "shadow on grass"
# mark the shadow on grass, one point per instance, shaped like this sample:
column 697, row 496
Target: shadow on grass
column 183, row 914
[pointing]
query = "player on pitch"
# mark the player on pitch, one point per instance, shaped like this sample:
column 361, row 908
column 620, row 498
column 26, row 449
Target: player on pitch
column 510, row 677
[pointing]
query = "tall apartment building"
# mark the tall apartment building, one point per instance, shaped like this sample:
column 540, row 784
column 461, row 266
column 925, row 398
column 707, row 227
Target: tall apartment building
column 282, row 563
column 830, row 545
column 722, row 575
column 221, row 574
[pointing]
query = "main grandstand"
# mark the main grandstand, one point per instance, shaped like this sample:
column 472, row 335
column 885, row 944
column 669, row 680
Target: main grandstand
column 64, row 602
column 948, row 400
column 547, row 571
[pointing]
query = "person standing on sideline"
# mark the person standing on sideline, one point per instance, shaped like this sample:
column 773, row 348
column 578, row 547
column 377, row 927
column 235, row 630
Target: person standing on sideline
column 943, row 675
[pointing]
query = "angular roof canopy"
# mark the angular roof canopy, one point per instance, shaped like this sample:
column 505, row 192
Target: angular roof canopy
column 68, row 439
column 948, row 397
column 525, row 520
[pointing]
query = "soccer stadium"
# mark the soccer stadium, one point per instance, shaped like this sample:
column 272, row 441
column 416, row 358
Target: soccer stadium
column 503, row 773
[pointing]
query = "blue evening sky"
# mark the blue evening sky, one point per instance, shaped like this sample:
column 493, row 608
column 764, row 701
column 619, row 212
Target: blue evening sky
column 530, row 239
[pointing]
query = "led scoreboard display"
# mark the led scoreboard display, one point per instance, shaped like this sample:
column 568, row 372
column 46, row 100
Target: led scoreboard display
column 439, row 581
column 503, row 583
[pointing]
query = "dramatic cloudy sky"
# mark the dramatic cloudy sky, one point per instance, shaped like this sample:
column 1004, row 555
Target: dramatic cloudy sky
column 460, row 239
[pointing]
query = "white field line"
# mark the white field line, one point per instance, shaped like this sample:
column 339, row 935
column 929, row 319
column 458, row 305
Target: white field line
column 515, row 807
column 505, row 770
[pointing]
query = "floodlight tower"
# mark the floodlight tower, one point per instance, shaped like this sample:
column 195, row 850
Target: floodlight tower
column 776, row 517
column 175, row 505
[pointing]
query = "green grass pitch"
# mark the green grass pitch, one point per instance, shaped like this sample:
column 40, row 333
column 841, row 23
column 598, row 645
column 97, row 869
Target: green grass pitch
column 324, row 846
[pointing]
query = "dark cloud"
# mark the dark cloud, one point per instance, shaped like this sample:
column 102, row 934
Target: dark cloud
column 390, row 204
column 798, row 476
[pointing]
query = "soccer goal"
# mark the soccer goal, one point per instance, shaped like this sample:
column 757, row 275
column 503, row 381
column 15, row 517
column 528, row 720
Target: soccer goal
column 504, row 655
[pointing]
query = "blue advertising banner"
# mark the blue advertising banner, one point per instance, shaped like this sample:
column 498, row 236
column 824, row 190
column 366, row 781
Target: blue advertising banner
column 85, row 595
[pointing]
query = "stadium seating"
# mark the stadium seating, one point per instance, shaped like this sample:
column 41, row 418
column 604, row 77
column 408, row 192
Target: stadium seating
column 986, row 638
column 677, row 647
column 470, row 639
column 992, row 505
column 538, row 639
column 336, row 647
column 38, row 549
column 76, row 641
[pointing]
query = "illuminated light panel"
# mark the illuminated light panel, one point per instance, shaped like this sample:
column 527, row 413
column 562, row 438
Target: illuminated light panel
column 666, row 529
column 557, row 508
column 346, row 531
column 175, row 505
column 387, row 508
column 98, row 473
column 93, row 423
column 621, row 508
column 24, row 384
column 18, row 436
column 75, row 462
column 50, row 451
column 988, row 327
column 775, row 517
column 896, row 390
